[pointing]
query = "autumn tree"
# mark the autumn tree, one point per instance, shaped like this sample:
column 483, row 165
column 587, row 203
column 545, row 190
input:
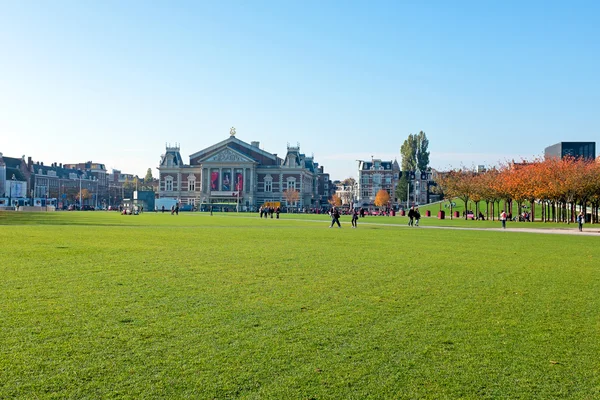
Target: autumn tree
column 335, row 200
column 460, row 183
column 382, row 198
column 291, row 196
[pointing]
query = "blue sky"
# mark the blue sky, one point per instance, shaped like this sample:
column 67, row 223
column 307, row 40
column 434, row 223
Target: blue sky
column 114, row 81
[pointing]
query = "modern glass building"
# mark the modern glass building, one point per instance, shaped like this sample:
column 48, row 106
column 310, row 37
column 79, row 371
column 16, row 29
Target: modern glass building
column 586, row 150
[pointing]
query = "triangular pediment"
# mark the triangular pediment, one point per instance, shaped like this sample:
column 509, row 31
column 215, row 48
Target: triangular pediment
column 226, row 155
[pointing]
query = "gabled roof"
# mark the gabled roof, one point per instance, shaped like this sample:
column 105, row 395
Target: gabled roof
column 226, row 154
column 383, row 165
column 232, row 139
column 61, row 172
column 11, row 162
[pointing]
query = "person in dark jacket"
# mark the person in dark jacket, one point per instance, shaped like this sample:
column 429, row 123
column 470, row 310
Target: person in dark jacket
column 417, row 216
column 335, row 217
column 411, row 216
column 354, row 217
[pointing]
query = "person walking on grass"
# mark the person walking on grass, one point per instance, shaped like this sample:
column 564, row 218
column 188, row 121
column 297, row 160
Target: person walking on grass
column 411, row 216
column 503, row 219
column 335, row 217
column 354, row 217
column 417, row 216
column 580, row 221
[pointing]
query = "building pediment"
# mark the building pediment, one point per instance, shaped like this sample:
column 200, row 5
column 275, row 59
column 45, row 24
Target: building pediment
column 226, row 155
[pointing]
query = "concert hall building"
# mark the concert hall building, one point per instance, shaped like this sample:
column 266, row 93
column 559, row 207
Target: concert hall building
column 234, row 172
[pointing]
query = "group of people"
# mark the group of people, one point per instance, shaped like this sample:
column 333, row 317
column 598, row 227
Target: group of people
column 334, row 213
column 269, row 211
column 414, row 216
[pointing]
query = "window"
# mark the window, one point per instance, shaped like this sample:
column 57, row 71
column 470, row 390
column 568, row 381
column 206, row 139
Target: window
column 192, row 184
column 168, row 184
column 268, row 183
column 365, row 193
column 291, row 184
column 191, row 202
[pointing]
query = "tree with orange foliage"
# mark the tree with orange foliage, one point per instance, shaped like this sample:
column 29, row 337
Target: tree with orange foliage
column 485, row 189
column 335, row 200
column 459, row 183
column 382, row 198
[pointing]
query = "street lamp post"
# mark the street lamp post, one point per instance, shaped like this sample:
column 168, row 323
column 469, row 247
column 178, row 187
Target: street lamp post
column 13, row 179
column 80, row 198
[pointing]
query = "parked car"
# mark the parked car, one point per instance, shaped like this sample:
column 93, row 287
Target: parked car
column 187, row 207
column 87, row 208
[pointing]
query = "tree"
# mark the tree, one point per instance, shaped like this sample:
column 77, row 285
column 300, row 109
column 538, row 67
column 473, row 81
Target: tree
column 422, row 152
column 402, row 188
column 148, row 178
column 408, row 151
column 415, row 155
column 349, row 182
column 382, row 198
column 335, row 200
column 291, row 196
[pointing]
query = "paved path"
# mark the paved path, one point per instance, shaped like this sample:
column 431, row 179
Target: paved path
column 555, row 231
column 590, row 231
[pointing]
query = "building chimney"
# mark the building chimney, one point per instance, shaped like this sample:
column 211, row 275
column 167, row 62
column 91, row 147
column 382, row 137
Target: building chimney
column 255, row 144
column 29, row 163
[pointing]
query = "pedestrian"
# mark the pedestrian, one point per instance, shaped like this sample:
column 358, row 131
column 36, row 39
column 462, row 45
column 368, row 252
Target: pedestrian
column 580, row 221
column 335, row 217
column 354, row 217
column 277, row 211
column 417, row 216
column 411, row 216
column 210, row 207
column 503, row 219
column 163, row 209
column 172, row 210
column 260, row 210
column 177, row 209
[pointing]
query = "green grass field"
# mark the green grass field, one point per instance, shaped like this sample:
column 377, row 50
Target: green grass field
column 99, row 305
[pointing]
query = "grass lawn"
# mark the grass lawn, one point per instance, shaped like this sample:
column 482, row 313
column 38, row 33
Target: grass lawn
column 99, row 305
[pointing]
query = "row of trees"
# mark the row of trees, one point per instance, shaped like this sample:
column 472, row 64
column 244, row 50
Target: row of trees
column 560, row 187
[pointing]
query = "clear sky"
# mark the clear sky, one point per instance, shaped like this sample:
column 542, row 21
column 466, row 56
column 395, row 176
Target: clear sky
column 113, row 81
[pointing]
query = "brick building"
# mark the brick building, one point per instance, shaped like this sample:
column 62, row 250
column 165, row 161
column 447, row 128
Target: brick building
column 373, row 176
column 234, row 172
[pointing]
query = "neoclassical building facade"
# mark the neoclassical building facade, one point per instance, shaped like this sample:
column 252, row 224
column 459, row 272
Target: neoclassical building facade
column 234, row 172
